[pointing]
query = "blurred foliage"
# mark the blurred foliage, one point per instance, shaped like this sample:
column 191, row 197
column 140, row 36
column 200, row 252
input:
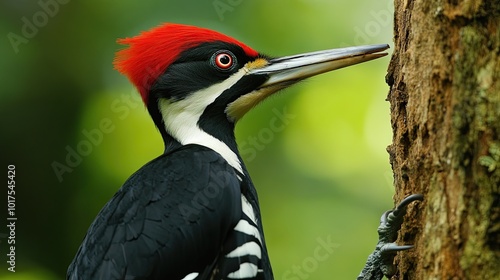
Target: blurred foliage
column 324, row 174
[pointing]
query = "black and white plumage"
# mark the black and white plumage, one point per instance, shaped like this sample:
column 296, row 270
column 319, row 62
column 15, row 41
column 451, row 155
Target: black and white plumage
column 200, row 195
column 193, row 212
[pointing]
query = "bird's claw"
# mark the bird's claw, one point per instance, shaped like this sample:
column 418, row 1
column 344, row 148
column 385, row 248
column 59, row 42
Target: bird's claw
column 380, row 262
column 393, row 247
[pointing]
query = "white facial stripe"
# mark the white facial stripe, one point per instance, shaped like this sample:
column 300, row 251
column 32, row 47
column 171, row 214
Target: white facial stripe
column 181, row 118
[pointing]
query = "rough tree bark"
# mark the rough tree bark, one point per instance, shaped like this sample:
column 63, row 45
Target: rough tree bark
column 444, row 82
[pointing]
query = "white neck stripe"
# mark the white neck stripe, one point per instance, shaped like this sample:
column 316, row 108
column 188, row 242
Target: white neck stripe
column 181, row 118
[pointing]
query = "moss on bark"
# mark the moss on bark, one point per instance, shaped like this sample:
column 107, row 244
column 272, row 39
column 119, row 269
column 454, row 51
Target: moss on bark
column 444, row 82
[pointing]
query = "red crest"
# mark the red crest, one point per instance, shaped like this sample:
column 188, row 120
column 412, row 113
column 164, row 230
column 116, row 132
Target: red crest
column 150, row 53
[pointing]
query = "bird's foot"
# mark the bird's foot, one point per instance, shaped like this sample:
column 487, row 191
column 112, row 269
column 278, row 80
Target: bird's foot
column 380, row 262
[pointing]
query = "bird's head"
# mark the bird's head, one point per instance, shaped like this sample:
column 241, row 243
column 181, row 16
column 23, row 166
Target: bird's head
column 196, row 83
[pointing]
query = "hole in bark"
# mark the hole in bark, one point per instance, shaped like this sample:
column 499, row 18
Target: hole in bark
column 404, row 173
column 424, row 135
column 405, row 177
column 405, row 143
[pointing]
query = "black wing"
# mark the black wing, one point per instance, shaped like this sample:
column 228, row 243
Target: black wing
column 168, row 220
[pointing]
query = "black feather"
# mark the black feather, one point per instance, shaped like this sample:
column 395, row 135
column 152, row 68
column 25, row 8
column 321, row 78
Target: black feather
column 143, row 232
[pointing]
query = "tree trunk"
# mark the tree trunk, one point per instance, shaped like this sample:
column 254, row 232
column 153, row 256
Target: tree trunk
column 444, row 82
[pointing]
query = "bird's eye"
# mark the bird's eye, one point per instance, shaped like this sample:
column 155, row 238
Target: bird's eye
column 223, row 60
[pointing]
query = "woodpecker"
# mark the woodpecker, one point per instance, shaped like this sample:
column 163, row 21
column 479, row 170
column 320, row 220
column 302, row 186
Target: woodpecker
column 193, row 212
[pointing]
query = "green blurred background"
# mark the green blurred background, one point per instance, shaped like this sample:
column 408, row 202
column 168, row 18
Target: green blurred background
column 322, row 172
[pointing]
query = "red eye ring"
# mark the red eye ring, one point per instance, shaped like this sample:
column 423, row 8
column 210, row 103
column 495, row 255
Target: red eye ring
column 223, row 60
